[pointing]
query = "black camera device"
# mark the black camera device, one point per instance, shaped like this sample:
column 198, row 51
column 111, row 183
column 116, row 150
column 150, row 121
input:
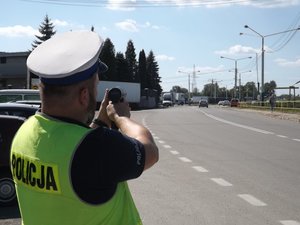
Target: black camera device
column 115, row 95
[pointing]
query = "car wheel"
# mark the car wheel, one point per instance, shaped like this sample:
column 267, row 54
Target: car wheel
column 7, row 192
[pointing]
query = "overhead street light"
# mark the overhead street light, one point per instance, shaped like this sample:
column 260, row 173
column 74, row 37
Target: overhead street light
column 179, row 71
column 240, row 82
column 263, row 52
column 235, row 69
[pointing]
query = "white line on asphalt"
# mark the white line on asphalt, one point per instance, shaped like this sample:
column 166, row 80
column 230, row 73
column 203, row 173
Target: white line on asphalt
column 162, row 142
column 237, row 124
column 153, row 134
column 281, row 136
column 221, row 182
column 184, row 159
column 155, row 137
column 167, row 146
column 289, row 222
column 174, row 152
column 296, row 139
column 252, row 200
column 200, row 169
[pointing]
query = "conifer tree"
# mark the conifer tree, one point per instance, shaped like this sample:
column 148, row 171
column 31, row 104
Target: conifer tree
column 121, row 68
column 46, row 30
column 153, row 78
column 130, row 57
column 142, row 69
column 107, row 55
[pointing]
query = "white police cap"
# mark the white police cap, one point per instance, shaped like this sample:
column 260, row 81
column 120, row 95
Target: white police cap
column 67, row 58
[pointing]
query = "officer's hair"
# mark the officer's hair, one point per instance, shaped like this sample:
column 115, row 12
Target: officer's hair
column 52, row 91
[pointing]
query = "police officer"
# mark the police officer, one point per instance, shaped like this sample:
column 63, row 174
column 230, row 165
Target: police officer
column 65, row 171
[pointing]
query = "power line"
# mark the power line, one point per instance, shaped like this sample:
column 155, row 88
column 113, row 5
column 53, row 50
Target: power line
column 139, row 4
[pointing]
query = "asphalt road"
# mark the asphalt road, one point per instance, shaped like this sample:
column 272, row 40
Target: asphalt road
column 218, row 166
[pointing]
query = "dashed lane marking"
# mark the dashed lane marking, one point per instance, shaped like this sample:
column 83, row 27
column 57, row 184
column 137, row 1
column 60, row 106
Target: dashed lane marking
column 184, row 159
column 296, row 140
column 281, row 136
column 174, row 152
column 221, row 182
column 252, row 200
column 162, row 142
column 200, row 169
column 167, row 146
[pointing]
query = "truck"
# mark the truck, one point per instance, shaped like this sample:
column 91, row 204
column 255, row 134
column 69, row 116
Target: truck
column 172, row 98
column 197, row 99
column 131, row 90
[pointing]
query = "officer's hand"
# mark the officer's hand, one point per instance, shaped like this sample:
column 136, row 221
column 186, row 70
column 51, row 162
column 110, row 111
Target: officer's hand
column 102, row 115
column 120, row 109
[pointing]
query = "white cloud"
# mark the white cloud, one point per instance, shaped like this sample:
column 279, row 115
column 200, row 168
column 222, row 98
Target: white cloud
column 18, row 31
column 238, row 49
column 164, row 58
column 132, row 26
column 124, row 5
column 128, row 25
column 61, row 23
column 286, row 63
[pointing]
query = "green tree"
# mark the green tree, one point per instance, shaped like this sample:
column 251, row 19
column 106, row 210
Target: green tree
column 153, row 78
column 121, row 68
column 107, row 55
column 130, row 57
column 269, row 87
column 46, row 30
column 142, row 69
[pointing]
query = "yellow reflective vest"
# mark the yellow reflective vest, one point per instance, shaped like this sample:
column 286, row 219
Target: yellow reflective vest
column 41, row 156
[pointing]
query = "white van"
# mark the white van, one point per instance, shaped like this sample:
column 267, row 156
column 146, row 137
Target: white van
column 14, row 95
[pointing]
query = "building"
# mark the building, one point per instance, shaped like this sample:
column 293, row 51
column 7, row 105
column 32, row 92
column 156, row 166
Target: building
column 13, row 70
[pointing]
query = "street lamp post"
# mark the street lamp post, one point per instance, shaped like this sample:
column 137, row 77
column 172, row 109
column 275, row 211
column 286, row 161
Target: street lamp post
column 235, row 69
column 189, row 94
column 240, row 82
column 263, row 53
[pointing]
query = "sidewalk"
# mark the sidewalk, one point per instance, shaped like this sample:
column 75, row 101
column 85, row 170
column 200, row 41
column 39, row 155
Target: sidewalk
column 277, row 115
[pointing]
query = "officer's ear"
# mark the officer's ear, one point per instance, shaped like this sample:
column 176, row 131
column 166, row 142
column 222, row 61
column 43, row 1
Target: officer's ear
column 84, row 96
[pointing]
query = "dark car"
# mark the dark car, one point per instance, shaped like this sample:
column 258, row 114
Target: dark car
column 18, row 109
column 203, row 103
column 234, row 102
column 8, row 128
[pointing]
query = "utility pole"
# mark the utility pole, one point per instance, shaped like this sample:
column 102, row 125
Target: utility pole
column 263, row 54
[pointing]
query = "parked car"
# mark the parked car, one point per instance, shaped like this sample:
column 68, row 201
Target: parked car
column 234, row 102
column 12, row 95
column 18, row 109
column 220, row 103
column 203, row 103
column 226, row 103
column 8, row 128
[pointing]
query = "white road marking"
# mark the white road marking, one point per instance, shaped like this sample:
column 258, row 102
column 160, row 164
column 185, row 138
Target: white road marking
column 289, row 222
column 174, row 152
column 155, row 137
column 184, row 159
column 296, row 139
column 282, row 136
column 252, row 200
column 162, row 142
column 221, row 182
column 167, row 146
column 200, row 169
column 237, row 124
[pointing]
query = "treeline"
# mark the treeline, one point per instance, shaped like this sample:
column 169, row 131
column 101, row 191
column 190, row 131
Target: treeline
column 121, row 67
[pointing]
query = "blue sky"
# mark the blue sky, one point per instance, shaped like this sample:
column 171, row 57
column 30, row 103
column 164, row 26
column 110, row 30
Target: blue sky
column 181, row 34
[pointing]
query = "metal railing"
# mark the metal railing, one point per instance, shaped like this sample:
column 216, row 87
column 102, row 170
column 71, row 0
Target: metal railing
column 280, row 106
